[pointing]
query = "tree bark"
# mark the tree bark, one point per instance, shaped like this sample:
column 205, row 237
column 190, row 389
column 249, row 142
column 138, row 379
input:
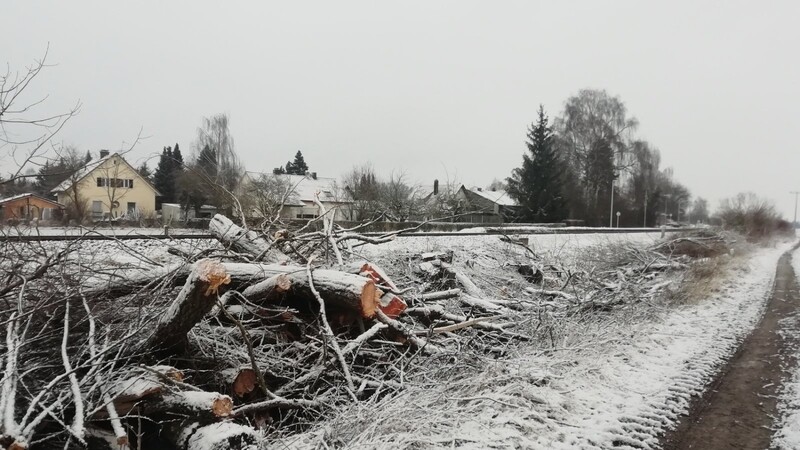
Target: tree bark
column 244, row 241
column 348, row 291
column 194, row 301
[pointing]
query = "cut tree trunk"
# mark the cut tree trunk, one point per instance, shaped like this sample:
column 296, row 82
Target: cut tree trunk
column 270, row 289
column 242, row 381
column 344, row 290
column 194, row 301
column 244, row 241
column 391, row 304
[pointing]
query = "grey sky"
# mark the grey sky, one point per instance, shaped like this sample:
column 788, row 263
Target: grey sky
column 426, row 87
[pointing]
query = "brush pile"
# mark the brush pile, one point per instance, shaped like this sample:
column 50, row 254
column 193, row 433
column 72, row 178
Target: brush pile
column 265, row 333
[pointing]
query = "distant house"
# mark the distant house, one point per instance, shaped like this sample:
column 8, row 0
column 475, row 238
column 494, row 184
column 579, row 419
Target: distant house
column 28, row 207
column 175, row 213
column 292, row 196
column 486, row 206
column 109, row 188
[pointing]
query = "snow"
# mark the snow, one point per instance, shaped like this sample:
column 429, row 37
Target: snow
column 787, row 435
column 638, row 383
column 560, row 246
column 498, row 196
column 107, row 231
column 222, row 436
column 80, row 174
column 619, row 380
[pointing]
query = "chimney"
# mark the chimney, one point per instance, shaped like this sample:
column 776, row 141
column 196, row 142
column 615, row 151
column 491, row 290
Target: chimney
column 103, row 153
column 435, row 187
column 314, row 175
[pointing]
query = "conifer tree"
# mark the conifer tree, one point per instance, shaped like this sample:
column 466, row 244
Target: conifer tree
column 299, row 165
column 537, row 185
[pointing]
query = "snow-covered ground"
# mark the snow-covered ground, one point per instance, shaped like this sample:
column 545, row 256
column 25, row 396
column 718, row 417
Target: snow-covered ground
column 105, row 230
column 787, row 435
column 551, row 246
column 618, row 381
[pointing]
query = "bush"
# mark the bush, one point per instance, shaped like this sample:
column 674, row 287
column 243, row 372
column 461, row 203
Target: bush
column 752, row 216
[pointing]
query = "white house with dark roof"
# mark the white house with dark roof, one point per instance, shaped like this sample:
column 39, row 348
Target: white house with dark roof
column 108, row 187
column 297, row 193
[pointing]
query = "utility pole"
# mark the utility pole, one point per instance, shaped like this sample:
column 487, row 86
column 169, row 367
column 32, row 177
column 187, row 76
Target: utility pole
column 611, row 214
column 796, row 193
column 645, row 208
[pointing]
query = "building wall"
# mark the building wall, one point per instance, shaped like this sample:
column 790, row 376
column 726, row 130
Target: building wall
column 99, row 199
column 310, row 211
column 27, row 208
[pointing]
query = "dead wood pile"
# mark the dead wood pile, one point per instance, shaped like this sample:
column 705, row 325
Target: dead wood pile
column 210, row 353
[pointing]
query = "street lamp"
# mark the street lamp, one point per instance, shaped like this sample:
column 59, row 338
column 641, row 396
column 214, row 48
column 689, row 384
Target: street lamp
column 796, row 193
column 618, row 214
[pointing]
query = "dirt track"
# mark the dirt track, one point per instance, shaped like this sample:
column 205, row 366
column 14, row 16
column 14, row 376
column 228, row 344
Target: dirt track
column 738, row 409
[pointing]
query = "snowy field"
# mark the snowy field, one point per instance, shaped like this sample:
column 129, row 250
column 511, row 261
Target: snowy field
column 550, row 246
column 110, row 231
column 617, row 382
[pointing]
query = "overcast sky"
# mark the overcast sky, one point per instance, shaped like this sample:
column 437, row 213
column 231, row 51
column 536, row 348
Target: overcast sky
column 430, row 88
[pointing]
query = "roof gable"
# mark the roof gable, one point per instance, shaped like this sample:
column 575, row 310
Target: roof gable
column 30, row 194
column 499, row 197
column 302, row 188
column 87, row 170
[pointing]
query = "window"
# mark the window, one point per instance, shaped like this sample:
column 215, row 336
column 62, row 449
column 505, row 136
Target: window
column 115, row 182
column 131, row 208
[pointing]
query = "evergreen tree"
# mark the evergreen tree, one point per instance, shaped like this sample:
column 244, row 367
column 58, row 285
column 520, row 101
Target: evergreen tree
column 537, row 185
column 299, row 166
column 164, row 179
column 88, row 157
column 144, row 171
column 289, row 168
column 177, row 157
column 207, row 162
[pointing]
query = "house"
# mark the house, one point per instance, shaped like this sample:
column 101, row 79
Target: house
column 175, row 213
column 29, row 207
column 486, row 206
column 292, row 196
column 108, row 188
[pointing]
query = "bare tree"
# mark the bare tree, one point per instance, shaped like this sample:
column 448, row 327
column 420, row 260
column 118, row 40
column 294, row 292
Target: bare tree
column 266, row 196
column 25, row 134
column 364, row 189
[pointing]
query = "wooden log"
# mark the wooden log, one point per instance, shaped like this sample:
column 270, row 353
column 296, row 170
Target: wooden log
column 194, row 301
column 241, row 381
column 269, row 289
column 441, row 295
column 344, row 290
column 194, row 402
column 391, row 304
column 244, row 241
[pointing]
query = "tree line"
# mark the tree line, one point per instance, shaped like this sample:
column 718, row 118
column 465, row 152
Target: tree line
column 576, row 163
column 572, row 167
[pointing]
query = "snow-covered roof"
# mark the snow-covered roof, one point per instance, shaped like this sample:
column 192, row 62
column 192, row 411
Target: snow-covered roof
column 500, row 197
column 28, row 194
column 90, row 167
column 304, row 187
column 80, row 174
